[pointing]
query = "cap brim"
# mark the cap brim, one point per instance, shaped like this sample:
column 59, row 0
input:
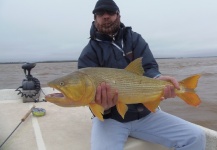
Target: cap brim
column 104, row 8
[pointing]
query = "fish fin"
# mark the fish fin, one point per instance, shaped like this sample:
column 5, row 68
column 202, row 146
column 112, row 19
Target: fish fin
column 190, row 98
column 122, row 108
column 136, row 67
column 187, row 93
column 97, row 110
column 190, row 82
column 152, row 105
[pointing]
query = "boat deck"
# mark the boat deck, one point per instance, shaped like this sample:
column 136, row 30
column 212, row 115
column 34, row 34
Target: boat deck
column 61, row 128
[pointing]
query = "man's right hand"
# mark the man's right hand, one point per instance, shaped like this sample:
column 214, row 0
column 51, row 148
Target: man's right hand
column 104, row 97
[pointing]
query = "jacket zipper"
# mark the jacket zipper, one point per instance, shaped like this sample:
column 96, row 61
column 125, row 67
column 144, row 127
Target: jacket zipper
column 118, row 47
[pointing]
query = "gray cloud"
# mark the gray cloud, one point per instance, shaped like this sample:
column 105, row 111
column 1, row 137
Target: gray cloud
column 56, row 30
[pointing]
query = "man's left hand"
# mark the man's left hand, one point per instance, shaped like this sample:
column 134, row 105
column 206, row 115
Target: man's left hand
column 169, row 90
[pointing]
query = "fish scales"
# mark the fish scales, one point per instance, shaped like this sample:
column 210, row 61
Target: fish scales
column 79, row 88
column 127, row 83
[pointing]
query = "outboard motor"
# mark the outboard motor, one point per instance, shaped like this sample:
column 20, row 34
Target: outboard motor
column 30, row 86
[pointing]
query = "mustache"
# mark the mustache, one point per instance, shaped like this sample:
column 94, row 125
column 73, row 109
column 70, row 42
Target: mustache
column 107, row 24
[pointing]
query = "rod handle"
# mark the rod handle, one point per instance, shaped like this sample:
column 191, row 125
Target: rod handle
column 27, row 114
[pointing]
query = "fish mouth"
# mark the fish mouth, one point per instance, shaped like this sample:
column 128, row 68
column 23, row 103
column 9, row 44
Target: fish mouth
column 57, row 98
column 60, row 99
column 55, row 95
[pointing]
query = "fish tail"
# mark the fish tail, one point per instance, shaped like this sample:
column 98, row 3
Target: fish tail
column 187, row 92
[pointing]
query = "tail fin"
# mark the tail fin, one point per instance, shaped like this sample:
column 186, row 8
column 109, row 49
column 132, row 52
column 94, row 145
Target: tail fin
column 187, row 93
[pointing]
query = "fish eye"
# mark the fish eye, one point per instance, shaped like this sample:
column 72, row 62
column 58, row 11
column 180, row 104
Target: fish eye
column 62, row 83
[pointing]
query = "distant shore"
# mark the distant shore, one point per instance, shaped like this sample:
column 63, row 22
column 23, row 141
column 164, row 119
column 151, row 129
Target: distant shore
column 52, row 61
column 63, row 61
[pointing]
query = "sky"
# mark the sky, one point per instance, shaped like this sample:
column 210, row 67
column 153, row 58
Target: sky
column 43, row 30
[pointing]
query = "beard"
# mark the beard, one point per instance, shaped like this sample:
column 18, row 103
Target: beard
column 108, row 27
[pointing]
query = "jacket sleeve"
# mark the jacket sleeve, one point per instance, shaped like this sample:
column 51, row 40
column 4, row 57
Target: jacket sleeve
column 141, row 49
column 88, row 57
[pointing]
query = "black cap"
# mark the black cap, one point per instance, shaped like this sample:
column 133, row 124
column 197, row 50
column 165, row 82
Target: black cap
column 109, row 5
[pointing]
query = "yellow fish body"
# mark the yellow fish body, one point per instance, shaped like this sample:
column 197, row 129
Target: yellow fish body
column 79, row 88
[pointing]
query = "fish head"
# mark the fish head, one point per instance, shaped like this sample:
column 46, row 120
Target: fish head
column 76, row 89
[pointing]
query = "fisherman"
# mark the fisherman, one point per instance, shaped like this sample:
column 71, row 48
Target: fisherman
column 114, row 45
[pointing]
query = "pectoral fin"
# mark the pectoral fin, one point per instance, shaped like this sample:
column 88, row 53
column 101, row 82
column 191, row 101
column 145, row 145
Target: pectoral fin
column 122, row 109
column 152, row 105
column 97, row 110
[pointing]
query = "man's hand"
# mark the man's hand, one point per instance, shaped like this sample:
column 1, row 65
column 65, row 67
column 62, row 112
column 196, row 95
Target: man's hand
column 104, row 96
column 169, row 90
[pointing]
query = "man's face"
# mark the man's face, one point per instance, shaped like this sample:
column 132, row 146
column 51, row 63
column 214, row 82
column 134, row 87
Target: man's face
column 107, row 22
column 105, row 18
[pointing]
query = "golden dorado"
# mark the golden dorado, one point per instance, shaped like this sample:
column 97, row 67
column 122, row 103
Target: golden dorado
column 79, row 88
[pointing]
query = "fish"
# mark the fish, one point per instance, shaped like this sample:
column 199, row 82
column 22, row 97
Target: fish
column 79, row 88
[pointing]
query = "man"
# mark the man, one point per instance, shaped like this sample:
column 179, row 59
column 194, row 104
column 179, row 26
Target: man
column 114, row 45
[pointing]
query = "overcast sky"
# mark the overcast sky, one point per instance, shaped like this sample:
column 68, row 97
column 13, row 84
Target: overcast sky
column 38, row 30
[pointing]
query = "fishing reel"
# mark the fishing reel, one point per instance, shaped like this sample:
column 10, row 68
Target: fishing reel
column 30, row 88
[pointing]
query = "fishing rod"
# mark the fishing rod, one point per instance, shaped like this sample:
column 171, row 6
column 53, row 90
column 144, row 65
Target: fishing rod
column 22, row 120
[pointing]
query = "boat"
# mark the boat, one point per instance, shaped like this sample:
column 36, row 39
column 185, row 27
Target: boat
column 60, row 127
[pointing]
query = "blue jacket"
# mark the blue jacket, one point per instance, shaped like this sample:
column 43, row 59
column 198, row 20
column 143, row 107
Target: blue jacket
column 117, row 52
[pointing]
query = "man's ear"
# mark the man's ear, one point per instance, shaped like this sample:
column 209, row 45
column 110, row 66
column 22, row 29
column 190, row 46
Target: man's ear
column 118, row 14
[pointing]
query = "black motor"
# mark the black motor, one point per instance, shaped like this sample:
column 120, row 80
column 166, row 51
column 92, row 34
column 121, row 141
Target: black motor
column 30, row 86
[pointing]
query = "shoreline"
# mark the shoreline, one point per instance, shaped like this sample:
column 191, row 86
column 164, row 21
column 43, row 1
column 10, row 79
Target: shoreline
column 63, row 61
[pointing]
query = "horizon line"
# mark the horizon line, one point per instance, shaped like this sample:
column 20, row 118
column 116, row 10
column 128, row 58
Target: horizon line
column 62, row 61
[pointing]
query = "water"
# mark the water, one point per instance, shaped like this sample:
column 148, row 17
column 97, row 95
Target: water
column 11, row 77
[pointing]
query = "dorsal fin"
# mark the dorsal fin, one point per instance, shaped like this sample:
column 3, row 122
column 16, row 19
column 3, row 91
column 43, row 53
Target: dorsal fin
column 136, row 66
